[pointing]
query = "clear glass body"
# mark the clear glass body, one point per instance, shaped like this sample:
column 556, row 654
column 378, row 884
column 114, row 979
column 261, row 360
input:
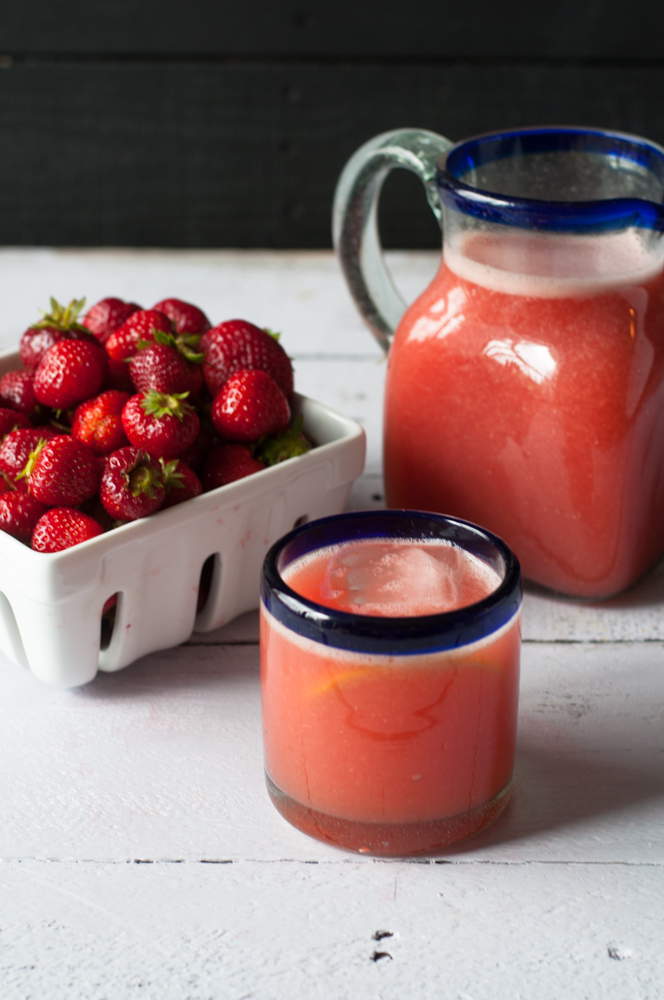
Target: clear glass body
column 389, row 754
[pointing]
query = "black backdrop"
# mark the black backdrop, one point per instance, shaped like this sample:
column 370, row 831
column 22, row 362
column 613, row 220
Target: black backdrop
column 226, row 122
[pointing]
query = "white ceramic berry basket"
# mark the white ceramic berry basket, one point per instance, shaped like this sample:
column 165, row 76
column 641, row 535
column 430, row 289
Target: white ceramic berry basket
column 51, row 605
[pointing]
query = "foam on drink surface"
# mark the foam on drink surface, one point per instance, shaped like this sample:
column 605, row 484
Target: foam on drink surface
column 554, row 265
column 392, row 578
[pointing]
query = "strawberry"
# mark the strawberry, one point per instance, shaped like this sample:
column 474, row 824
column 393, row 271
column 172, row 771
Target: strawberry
column 237, row 344
column 69, row 373
column 193, row 456
column 162, row 425
column 289, row 443
column 132, row 484
column 60, row 324
column 62, row 527
column 250, row 405
column 98, row 422
column 118, row 377
column 62, row 472
column 123, row 343
column 19, row 514
column 180, row 482
column 186, row 318
column 103, row 318
column 10, row 420
column 165, row 369
column 17, row 393
column 226, row 463
column 15, row 452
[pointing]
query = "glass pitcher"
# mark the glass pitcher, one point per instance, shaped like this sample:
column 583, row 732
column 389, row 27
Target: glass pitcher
column 525, row 386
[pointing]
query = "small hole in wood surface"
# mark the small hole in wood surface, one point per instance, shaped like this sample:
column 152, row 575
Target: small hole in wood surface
column 379, row 935
column 377, row 955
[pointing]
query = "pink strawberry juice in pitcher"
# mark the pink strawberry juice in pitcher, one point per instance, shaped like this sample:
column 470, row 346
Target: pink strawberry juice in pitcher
column 525, row 386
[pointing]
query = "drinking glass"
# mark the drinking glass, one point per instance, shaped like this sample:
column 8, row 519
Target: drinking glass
column 390, row 735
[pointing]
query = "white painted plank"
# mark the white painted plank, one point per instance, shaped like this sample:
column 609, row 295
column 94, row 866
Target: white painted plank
column 239, row 931
column 163, row 760
column 638, row 614
column 302, row 294
column 354, row 388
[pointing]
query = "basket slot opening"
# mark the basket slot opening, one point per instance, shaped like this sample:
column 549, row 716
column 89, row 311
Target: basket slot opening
column 209, row 581
column 10, row 637
column 302, row 519
column 109, row 617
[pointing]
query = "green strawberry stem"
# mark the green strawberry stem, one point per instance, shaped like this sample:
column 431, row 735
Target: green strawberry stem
column 32, row 460
column 288, row 443
column 160, row 404
column 143, row 479
column 184, row 343
column 172, row 478
column 63, row 317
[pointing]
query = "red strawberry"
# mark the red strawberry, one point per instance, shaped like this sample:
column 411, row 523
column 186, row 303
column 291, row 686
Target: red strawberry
column 237, row 344
column 17, row 392
column 118, row 377
column 69, row 373
column 98, row 422
column 60, row 324
column 226, row 463
column 180, row 482
column 196, row 452
column 16, row 449
column 63, row 472
column 165, row 369
column 106, row 316
column 10, row 420
column 123, row 343
column 19, row 514
column 62, row 527
column 132, row 484
column 186, row 318
column 250, row 405
column 162, row 425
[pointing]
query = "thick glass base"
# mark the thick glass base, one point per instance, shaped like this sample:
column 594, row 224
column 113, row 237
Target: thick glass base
column 388, row 839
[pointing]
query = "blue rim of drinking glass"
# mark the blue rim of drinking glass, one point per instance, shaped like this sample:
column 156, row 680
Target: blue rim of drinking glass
column 391, row 636
column 602, row 215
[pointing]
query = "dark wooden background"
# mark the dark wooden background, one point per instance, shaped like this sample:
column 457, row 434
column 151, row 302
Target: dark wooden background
column 224, row 123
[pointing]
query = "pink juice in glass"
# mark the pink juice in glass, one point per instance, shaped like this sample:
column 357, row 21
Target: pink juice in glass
column 389, row 753
column 525, row 392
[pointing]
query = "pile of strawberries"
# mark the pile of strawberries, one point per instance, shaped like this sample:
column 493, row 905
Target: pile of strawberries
column 126, row 411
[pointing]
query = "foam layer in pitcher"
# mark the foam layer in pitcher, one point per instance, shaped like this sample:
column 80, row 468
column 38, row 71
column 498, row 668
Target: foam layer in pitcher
column 555, row 265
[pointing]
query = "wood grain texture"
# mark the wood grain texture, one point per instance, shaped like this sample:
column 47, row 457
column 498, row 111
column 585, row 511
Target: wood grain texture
column 251, row 930
column 605, row 28
column 246, row 154
column 140, row 855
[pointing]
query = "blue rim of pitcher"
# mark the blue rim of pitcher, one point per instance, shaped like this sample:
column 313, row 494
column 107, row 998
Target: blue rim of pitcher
column 391, row 636
column 553, row 216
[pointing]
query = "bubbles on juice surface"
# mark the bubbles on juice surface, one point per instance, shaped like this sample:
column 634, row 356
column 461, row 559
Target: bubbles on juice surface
column 393, row 578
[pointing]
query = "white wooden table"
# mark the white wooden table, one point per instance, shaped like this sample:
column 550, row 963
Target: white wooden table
column 140, row 856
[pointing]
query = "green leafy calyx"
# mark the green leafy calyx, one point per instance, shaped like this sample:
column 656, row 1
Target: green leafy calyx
column 160, row 404
column 172, row 478
column 63, row 317
column 288, row 443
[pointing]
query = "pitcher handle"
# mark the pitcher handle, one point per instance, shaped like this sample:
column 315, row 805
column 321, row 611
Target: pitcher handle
column 354, row 219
